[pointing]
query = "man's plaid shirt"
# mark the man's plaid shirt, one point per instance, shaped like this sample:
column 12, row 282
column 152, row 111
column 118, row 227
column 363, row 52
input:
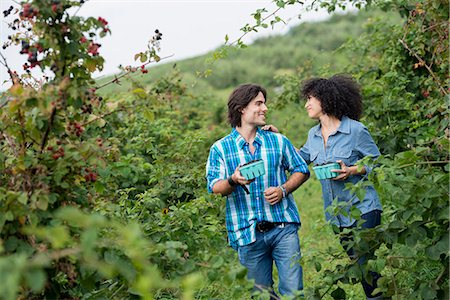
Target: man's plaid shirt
column 244, row 211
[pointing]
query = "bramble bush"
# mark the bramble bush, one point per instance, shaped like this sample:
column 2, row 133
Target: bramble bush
column 104, row 197
column 403, row 71
column 96, row 196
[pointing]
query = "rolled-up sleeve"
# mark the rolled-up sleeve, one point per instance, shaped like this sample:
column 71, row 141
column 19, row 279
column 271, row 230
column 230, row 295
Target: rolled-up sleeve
column 305, row 154
column 366, row 146
column 292, row 161
column 215, row 168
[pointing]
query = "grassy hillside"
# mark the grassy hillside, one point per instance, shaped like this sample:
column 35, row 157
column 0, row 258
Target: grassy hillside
column 309, row 46
column 314, row 43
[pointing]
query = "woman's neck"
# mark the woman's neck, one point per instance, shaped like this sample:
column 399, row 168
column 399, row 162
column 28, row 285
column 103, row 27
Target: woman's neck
column 329, row 123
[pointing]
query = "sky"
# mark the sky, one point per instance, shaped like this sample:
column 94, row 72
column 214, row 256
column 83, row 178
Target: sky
column 190, row 28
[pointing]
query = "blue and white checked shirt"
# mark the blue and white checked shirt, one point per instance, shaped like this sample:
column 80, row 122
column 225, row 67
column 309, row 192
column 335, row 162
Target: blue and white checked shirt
column 244, row 211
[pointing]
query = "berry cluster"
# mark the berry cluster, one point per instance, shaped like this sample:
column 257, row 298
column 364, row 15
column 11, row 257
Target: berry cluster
column 7, row 12
column 90, row 175
column 99, row 142
column 56, row 6
column 93, row 48
column 158, row 35
column 143, row 69
column 104, row 23
column 28, row 12
column 75, row 128
column 86, row 108
column 56, row 153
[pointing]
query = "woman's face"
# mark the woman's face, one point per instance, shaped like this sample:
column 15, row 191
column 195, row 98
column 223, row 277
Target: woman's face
column 313, row 107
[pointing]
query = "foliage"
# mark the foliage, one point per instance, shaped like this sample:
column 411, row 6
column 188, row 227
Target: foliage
column 102, row 193
column 90, row 208
column 403, row 71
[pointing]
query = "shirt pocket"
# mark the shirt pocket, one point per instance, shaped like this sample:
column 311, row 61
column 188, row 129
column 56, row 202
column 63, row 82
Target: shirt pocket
column 348, row 156
column 313, row 157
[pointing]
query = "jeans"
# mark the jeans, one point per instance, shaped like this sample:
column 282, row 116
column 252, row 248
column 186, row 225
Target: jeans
column 280, row 245
column 372, row 219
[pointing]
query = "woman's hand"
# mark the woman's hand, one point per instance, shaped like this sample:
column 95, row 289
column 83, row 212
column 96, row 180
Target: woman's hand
column 270, row 128
column 344, row 173
column 273, row 195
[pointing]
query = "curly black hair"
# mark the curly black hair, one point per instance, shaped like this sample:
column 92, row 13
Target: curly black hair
column 239, row 99
column 339, row 95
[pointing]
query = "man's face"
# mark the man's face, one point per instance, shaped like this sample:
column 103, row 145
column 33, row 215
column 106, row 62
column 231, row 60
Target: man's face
column 255, row 112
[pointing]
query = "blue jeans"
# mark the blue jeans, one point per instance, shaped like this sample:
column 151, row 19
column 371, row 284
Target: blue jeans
column 280, row 245
column 372, row 219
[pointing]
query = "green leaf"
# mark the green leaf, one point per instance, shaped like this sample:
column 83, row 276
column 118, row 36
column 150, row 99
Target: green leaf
column 143, row 57
column 23, row 198
column 90, row 64
column 280, row 3
column 217, row 262
column 42, row 202
column 149, row 115
column 99, row 187
column 338, row 293
column 318, row 266
column 434, row 252
column 35, row 279
column 428, row 293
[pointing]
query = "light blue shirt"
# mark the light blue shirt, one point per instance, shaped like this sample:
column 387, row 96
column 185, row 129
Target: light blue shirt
column 350, row 143
column 243, row 210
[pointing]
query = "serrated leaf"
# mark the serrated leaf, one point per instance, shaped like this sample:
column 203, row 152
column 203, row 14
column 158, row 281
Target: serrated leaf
column 217, row 262
column 143, row 57
column 90, row 64
column 42, row 202
column 149, row 115
column 16, row 90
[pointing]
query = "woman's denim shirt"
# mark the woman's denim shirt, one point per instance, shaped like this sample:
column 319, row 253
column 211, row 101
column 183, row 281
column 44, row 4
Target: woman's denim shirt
column 350, row 143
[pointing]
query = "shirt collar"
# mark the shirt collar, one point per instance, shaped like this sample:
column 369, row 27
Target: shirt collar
column 240, row 141
column 344, row 127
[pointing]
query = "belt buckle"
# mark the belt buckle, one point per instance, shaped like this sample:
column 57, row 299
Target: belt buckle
column 264, row 226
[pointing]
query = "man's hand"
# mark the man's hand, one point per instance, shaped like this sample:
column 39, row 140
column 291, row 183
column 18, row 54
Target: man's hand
column 273, row 195
column 239, row 179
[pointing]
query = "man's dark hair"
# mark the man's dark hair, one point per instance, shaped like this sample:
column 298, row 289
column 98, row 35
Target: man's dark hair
column 239, row 99
column 339, row 96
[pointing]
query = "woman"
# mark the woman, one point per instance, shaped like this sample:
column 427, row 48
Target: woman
column 337, row 104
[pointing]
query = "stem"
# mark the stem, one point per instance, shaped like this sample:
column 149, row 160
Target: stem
column 440, row 276
column 47, row 132
column 55, row 255
column 393, row 278
column 425, row 64
column 101, row 117
column 14, row 78
column 116, row 78
column 438, row 162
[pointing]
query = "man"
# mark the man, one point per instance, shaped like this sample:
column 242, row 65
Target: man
column 262, row 224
